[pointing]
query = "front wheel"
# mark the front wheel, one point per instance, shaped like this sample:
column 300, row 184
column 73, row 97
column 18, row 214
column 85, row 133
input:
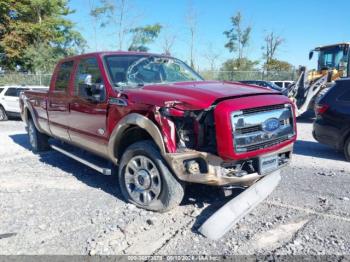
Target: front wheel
column 146, row 181
column 37, row 140
column 347, row 149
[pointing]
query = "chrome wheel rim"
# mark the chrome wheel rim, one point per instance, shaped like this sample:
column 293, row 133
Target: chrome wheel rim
column 31, row 133
column 142, row 180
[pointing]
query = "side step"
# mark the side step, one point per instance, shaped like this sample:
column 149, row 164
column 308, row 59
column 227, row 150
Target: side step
column 102, row 170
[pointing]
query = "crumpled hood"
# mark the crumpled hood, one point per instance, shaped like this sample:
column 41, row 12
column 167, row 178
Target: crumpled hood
column 194, row 95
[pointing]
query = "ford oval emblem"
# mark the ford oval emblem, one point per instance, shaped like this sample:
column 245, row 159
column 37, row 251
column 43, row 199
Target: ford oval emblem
column 271, row 125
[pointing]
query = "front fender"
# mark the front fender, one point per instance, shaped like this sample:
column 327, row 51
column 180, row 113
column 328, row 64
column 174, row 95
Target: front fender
column 141, row 121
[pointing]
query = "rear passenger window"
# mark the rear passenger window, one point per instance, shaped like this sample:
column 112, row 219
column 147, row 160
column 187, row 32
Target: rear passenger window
column 14, row 92
column 11, row 92
column 1, row 89
column 63, row 76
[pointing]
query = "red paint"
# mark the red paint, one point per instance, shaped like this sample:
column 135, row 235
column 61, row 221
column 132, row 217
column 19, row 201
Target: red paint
column 224, row 135
column 70, row 117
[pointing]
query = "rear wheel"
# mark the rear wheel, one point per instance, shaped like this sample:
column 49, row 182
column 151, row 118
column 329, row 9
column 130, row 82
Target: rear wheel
column 347, row 149
column 38, row 141
column 146, row 181
column 3, row 115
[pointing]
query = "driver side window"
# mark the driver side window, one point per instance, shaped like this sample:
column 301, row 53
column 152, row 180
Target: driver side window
column 88, row 74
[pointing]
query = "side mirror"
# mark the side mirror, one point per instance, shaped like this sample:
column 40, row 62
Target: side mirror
column 91, row 91
column 311, row 54
column 87, row 79
column 96, row 93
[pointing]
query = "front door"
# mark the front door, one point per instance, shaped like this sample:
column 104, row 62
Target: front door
column 88, row 110
column 58, row 104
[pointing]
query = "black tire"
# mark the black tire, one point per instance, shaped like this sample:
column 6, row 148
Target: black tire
column 162, row 190
column 3, row 115
column 38, row 141
column 347, row 149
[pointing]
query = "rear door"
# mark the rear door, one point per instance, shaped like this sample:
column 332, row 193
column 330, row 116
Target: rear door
column 11, row 99
column 88, row 114
column 59, row 99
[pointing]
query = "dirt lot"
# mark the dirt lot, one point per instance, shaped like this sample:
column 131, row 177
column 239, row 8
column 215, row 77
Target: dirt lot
column 50, row 204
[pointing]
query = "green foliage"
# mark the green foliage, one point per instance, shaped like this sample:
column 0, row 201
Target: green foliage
column 43, row 57
column 238, row 37
column 142, row 36
column 27, row 25
column 277, row 65
column 243, row 64
column 104, row 13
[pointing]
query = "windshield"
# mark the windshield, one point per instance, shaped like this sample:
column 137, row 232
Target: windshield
column 136, row 70
column 330, row 58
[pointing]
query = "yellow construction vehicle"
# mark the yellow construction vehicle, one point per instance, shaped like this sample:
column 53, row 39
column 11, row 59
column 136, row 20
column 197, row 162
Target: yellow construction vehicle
column 333, row 63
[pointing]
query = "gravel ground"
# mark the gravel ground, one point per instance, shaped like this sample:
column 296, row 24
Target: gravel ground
column 50, row 204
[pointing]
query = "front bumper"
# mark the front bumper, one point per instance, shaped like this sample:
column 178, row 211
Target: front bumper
column 213, row 170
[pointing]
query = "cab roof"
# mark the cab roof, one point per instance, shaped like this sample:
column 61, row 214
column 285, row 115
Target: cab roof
column 103, row 53
column 332, row 45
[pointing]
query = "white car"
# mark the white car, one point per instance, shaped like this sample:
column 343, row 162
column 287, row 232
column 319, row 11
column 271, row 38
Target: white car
column 283, row 84
column 9, row 99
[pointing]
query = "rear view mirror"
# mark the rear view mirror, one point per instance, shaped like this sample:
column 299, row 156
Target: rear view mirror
column 311, row 54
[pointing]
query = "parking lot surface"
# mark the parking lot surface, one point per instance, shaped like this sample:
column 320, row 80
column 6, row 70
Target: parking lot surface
column 50, row 204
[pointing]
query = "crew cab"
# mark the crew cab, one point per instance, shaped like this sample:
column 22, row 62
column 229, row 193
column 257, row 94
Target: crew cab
column 9, row 99
column 161, row 124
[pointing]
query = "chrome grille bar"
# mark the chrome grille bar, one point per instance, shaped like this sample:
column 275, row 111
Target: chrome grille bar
column 251, row 131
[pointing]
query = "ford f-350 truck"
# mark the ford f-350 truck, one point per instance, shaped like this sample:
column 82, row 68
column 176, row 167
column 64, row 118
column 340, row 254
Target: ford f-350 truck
column 161, row 124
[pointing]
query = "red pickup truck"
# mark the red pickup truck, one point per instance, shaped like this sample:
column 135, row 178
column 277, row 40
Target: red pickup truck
column 161, row 124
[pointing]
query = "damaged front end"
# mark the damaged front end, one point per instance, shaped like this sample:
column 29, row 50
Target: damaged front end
column 191, row 140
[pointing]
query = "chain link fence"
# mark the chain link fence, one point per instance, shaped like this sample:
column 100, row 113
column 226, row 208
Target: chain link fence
column 24, row 79
column 250, row 75
column 44, row 79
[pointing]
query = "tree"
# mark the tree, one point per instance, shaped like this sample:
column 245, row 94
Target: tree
column 168, row 41
column 211, row 56
column 242, row 64
column 26, row 24
column 191, row 19
column 277, row 65
column 272, row 44
column 142, row 36
column 41, row 58
column 238, row 36
column 119, row 14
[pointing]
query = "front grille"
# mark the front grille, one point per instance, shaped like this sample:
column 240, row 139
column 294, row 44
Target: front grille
column 262, row 109
column 262, row 127
column 252, row 129
column 266, row 144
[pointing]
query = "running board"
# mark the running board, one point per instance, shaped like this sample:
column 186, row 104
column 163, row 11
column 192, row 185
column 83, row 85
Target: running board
column 102, row 170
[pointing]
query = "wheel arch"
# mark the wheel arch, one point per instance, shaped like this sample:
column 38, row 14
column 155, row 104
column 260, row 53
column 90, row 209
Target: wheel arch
column 133, row 127
column 28, row 113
